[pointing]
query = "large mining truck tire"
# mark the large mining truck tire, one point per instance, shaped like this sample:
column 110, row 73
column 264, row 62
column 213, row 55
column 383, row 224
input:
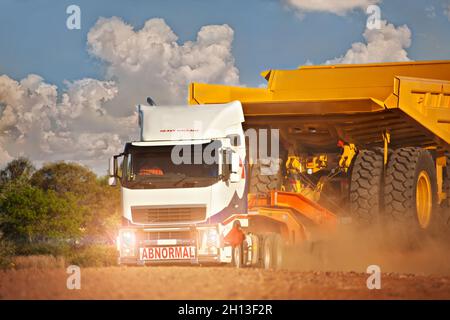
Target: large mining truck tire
column 410, row 191
column 262, row 179
column 366, row 187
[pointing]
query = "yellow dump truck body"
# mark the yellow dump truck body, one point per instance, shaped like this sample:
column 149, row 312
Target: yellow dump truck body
column 318, row 105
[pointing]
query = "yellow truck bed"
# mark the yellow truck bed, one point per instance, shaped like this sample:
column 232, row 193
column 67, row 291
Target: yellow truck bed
column 318, row 105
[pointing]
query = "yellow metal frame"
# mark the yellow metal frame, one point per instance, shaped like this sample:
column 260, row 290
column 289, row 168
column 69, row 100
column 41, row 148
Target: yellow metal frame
column 441, row 163
column 296, row 165
column 349, row 151
column 299, row 164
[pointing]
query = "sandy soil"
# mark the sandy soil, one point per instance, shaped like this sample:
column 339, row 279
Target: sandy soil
column 334, row 270
column 177, row 282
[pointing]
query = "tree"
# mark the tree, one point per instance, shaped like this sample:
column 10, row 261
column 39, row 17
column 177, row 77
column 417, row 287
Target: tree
column 20, row 168
column 100, row 201
column 63, row 177
column 31, row 214
column 104, row 203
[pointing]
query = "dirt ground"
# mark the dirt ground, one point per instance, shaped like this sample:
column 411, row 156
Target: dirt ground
column 334, row 270
column 177, row 282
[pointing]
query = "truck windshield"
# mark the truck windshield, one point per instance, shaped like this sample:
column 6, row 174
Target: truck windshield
column 153, row 167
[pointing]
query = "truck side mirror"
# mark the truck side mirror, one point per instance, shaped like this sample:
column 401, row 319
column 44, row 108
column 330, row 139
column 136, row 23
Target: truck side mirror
column 112, row 170
column 112, row 181
column 235, row 166
column 112, row 166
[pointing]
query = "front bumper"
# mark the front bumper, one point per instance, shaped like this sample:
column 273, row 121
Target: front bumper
column 207, row 248
column 215, row 259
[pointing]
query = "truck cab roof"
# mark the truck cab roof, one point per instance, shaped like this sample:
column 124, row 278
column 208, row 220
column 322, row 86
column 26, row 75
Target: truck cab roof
column 199, row 122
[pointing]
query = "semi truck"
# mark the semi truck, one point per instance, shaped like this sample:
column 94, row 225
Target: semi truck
column 363, row 144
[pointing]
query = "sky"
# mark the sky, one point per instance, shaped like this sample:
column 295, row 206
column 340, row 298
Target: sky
column 71, row 94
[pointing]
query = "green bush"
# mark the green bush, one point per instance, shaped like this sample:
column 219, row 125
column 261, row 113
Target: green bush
column 93, row 256
column 33, row 215
column 7, row 252
column 49, row 211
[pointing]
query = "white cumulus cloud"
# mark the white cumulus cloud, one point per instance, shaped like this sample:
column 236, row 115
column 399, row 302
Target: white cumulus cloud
column 387, row 44
column 150, row 61
column 90, row 119
column 35, row 122
column 339, row 7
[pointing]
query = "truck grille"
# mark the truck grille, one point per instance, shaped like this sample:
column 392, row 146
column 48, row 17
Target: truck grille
column 158, row 215
column 159, row 235
column 180, row 238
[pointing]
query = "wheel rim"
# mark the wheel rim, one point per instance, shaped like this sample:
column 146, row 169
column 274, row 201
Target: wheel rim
column 424, row 200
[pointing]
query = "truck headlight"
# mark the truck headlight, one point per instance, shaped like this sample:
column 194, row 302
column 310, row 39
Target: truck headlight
column 128, row 238
column 212, row 237
column 127, row 243
column 209, row 241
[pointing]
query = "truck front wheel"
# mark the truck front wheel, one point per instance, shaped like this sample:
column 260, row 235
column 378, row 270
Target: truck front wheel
column 238, row 256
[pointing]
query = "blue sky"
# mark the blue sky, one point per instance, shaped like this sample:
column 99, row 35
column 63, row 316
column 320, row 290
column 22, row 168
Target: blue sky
column 71, row 94
column 34, row 39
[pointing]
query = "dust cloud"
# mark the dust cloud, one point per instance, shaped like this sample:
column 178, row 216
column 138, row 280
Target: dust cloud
column 353, row 248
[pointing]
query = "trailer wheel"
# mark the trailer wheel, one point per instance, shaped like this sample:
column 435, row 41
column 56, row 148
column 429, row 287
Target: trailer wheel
column 237, row 256
column 279, row 252
column 272, row 257
column 268, row 253
column 366, row 186
column 265, row 175
column 410, row 191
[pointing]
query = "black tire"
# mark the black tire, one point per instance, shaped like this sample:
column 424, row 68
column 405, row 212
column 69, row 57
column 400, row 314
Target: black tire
column 279, row 252
column 267, row 254
column 402, row 174
column 273, row 252
column 237, row 256
column 262, row 179
column 366, row 187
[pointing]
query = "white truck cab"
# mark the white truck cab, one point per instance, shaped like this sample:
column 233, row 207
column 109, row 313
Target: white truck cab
column 180, row 182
